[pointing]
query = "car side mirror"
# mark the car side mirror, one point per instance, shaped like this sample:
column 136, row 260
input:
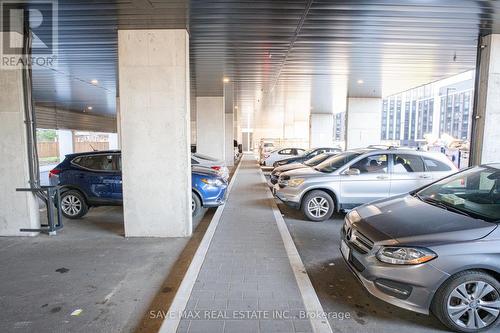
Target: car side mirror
column 352, row 172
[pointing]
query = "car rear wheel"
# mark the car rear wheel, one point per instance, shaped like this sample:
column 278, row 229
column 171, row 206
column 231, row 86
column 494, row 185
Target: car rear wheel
column 468, row 302
column 195, row 204
column 73, row 205
column 318, row 206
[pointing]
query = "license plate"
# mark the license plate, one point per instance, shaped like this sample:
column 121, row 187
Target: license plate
column 344, row 248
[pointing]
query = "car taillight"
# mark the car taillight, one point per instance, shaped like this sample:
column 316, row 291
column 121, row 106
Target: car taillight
column 216, row 168
column 54, row 172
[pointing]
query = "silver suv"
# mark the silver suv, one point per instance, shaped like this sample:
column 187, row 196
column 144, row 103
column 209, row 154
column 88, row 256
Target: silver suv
column 359, row 176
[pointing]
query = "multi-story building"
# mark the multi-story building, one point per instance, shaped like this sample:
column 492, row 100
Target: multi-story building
column 441, row 107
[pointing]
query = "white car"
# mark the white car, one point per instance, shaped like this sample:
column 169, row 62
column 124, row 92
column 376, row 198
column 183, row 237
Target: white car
column 269, row 158
column 265, row 147
column 201, row 160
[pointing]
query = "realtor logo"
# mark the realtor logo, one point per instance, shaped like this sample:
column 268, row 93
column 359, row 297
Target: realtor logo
column 42, row 17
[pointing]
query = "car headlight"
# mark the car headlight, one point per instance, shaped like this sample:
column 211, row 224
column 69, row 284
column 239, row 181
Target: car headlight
column 353, row 216
column 294, row 182
column 405, row 255
column 212, row 182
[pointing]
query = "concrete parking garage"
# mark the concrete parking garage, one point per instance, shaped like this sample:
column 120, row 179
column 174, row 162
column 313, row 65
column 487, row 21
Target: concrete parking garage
column 166, row 76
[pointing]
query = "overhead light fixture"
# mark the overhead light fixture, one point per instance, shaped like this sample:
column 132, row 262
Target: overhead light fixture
column 236, row 107
column 225, row 80
column 89, row 108
column 94, row 82
column 361, row 81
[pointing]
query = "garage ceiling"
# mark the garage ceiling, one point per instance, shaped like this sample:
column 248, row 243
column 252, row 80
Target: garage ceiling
column 362, row 48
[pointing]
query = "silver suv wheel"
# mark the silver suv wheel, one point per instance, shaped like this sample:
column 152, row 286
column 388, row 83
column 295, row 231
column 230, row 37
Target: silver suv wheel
column 318, row 207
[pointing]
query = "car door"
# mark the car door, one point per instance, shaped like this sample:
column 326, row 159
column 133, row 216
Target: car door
column 98, row 175
column 436, row 169
column 408, row 173
column 372, row 182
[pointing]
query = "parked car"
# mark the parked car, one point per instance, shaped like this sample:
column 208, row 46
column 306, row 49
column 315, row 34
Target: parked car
column 95, row 179
column 210, row 162
column 436, row 249
column 280, row 154
column 359, row 176
column 312, row 162
column 305, row 156
column 265, row 146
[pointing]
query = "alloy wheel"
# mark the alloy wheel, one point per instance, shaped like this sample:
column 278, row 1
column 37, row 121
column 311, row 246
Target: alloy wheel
column 474, row 305
column 318, row 207
column 71, row 205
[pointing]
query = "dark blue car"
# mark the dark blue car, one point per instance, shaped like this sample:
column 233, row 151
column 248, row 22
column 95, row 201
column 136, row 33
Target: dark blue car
column 95, row 179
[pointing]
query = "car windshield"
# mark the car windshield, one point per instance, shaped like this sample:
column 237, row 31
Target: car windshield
column 205, row 157
column 474, row 192
column 317, row 159
column 337, row 161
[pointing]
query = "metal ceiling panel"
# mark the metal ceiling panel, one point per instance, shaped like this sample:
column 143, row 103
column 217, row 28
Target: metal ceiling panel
column 262, row 45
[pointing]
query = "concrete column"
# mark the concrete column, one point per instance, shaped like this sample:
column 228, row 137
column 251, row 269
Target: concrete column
column 65, row 143
column 320, row 130
column 17, row 209
column 229, row 139
column 321, row 116
column 363, row 122
column 229, row 124
column 485, row 145
column 118, row 124
column 210, row 127
column 154, row 105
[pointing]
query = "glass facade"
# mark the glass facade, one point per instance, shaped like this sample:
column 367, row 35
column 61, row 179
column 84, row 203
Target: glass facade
column 409, row 116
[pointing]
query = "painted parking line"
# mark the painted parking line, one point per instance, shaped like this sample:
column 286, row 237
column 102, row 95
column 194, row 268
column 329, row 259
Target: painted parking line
column 309, row 296
column 171, row 321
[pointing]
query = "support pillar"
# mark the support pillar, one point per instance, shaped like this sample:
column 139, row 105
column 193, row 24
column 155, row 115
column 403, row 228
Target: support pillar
column 118, row 124
column 320, row 130
column 321, row 117
column 485, row 141
column 363, row 122
column 229, row 125
column 155, row 118
column 210, row 127
column 65, row 143
column 17, row 209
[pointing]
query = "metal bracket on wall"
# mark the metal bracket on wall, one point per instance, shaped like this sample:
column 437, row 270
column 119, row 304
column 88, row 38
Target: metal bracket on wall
column 52, row 196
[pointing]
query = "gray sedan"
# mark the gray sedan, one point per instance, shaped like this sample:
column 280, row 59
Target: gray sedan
column 434, row 250
column 359, row 176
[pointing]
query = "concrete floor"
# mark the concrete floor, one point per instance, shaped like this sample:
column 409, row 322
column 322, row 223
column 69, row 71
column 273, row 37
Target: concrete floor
column 336, row 287
column 90, row 266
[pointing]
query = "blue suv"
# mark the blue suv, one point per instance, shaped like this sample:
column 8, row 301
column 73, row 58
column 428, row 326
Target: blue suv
column 95, row 179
